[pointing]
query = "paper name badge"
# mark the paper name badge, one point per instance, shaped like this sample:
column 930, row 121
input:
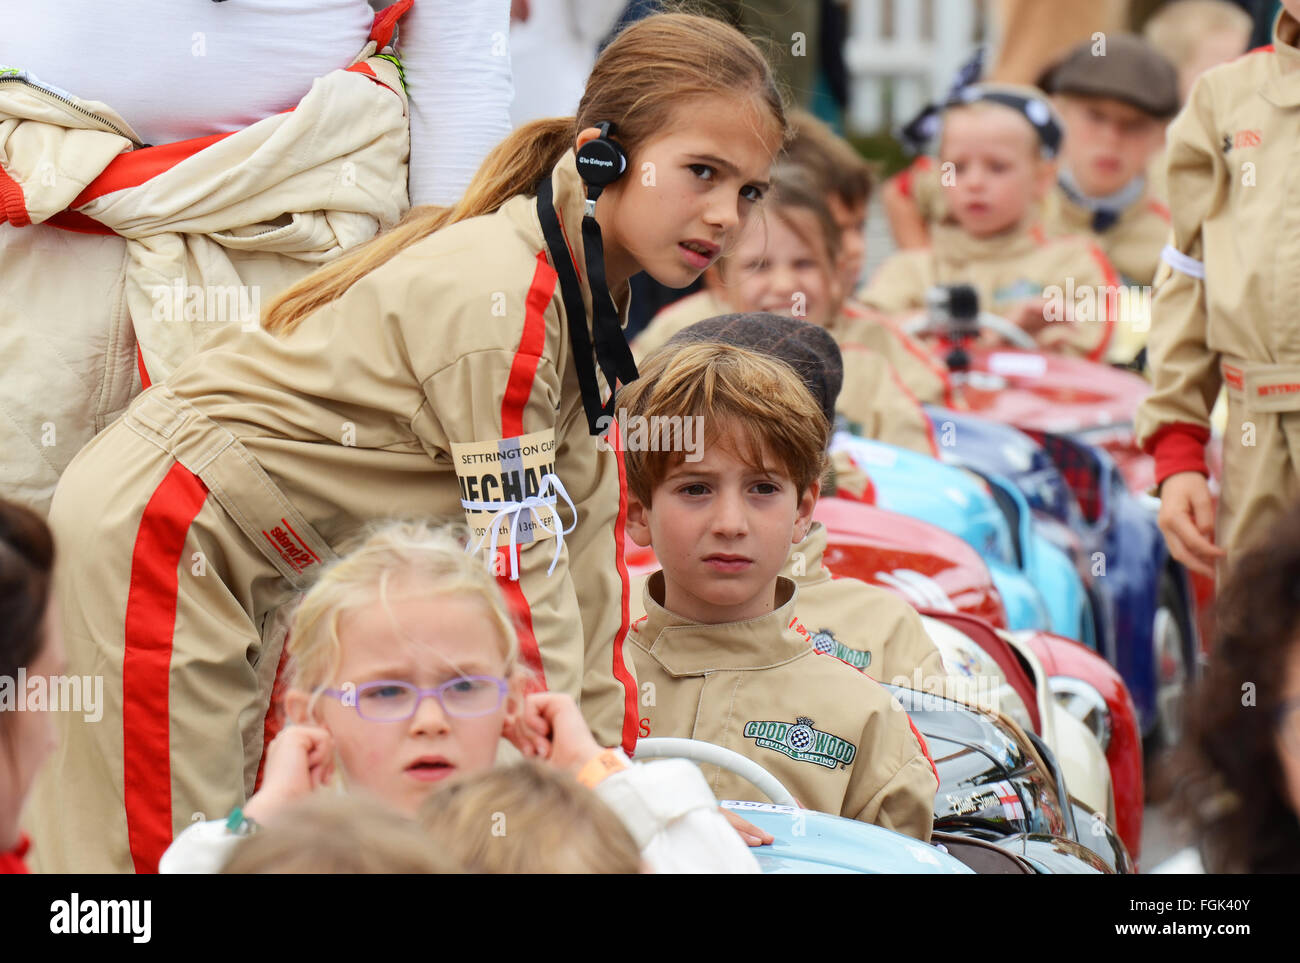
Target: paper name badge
column 498, row 477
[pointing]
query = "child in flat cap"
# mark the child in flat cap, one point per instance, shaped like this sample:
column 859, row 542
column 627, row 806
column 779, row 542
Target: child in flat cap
column 1225, row 306
column 1115, row 96
column 997, row 161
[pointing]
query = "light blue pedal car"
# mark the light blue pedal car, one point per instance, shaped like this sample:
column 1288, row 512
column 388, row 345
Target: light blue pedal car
column 807, row 841
column 1037, row 580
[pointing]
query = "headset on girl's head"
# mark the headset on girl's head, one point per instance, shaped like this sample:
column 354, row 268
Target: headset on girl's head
column 600, row 162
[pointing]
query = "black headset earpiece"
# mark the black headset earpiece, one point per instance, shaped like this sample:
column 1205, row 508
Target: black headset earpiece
column 601, row 161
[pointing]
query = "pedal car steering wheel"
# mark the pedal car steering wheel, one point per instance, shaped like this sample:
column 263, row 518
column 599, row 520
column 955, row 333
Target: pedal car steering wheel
column 726, row 759
column 986, row 320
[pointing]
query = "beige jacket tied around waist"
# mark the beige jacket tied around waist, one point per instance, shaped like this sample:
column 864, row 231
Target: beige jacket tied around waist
column 163, row 246
column 836, row 739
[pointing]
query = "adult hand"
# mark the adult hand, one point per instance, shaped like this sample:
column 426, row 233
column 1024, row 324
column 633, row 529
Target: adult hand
column 1187, row 521
column 298, row 761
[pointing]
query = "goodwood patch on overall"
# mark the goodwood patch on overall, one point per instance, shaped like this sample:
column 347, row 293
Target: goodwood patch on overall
column 801, row 742
column 824, row 642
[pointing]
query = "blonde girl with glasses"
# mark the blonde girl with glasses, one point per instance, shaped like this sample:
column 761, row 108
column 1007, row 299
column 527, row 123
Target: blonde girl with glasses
column 405, row 672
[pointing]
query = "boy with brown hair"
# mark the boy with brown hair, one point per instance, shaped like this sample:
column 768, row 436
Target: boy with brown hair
column 716, row 650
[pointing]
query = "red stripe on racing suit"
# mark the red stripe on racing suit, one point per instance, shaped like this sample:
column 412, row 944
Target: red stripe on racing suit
column 146, row 663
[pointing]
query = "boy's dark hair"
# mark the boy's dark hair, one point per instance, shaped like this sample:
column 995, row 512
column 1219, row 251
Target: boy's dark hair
column 26, row 568
column 1231, row 784
column 759, row 402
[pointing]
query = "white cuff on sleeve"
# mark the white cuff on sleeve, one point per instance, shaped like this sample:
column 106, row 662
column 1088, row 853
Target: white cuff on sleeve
column 1179, row 261
column 672, row 814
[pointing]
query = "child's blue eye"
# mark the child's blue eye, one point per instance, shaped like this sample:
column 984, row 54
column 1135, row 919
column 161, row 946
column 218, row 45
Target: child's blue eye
column 697, row 168
column 385, row 692
column 755, row 193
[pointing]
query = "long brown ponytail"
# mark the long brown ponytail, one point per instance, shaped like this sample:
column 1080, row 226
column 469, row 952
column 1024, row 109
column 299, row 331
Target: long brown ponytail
column 638, row 80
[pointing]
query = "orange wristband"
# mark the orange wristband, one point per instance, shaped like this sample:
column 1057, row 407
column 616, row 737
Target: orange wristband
column 598, row 767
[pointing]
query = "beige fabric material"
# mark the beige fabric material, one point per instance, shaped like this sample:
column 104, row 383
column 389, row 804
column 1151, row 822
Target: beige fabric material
column 878, row 405
column 718, row 682
column 1034, row 34
column 351, row 415
column 242, row 218
column 1132, row 243
column 227, row 647
column 1007, row 271
column 921, row 373
column 1232, row 212
column 869, row 627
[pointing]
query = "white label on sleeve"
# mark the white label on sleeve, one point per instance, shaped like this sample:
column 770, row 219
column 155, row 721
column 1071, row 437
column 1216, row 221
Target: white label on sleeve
column 510, row 492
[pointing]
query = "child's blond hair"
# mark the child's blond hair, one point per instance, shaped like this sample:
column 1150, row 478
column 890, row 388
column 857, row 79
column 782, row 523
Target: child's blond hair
column 527, row 818
column 396, row 552
column 1176, row 29
column 759, row 401
column 330, row 834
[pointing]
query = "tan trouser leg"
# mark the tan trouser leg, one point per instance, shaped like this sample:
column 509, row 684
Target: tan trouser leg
column 184, row 708
column 1261, row 451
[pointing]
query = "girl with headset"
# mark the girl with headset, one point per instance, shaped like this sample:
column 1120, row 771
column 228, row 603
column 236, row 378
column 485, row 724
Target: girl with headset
column 457, row 366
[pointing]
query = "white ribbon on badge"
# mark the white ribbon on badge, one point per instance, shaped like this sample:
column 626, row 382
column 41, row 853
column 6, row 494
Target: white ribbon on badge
column 514, row 509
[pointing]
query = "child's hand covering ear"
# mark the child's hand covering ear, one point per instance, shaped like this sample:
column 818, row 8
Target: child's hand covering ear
column 552, row 728
column 299, row 761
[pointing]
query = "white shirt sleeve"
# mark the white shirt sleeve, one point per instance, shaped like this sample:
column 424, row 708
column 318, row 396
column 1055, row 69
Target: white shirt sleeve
column 672, row 814
column 202, row 848
column 456, row 57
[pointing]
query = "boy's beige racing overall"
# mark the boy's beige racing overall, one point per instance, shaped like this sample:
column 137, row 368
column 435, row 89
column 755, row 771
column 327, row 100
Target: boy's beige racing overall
column 441, row 378
column 834, row 737
column 1225, row 311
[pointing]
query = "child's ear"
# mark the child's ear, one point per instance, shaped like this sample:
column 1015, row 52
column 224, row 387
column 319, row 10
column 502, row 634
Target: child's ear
column 638, row 521
column 1044, row 179
column 803, row 520
column 295, row 706
column 514, row 703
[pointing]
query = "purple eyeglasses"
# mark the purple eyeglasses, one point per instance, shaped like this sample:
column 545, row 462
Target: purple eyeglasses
column 389, row 700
